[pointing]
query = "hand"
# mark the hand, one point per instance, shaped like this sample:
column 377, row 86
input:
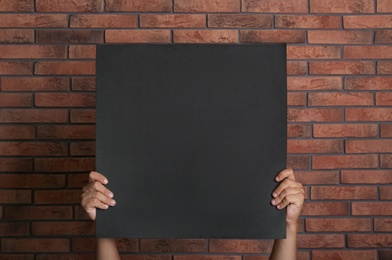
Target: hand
column 290, row 194
column 96, row 195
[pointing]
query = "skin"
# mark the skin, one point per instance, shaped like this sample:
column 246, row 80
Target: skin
column 288, row 195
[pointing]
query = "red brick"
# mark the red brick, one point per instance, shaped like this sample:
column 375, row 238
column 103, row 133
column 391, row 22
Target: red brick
column 371, row 208
column 296, row 99
column 80, row 213
column 239, row 21
column 32, row 181
column 297, row 68
column 343, row 192
column 206, row 257
column 240, row 246
column 341, row 67
column 298, row 162
column 296, row 130
column 314, row 83
column 366, row 176
column 64, row 68
column 35, row 245
column 338, row 224
column 385, row 254
column 33, row 149
column 69, row 6
column 340, row 99
column 325, row 209
column 15, row 165
column 63, row 228
column 173, row 245
column 66, row 132
column 275, row 6
column 33, row 116
column 317, row 177
column 138, row 6
column 341, row 6
column 369, row 240
column 17, row 6
column 146, row 257
column 64, row 100
column 314, row 146
column 66, row 256
column 83, row 84
column 33, row 20
column 137, row 36
column 384, row 6
column 339, row 37
column 17, row 132
column 344, row 254
column 319, row 114
column 82, row 116
column 384, row 67
column 15, row 68
column 382, row 36
column 82, row 51
column 82, row 148
column 14, row 229
column 16, row 36
column 258, row 257
column 367, row 21
column 57, row 196
column 64, row 164
column 386, row 131
column 369, row 114
column 273, row 36
column 320, row 240
column 38, row 212
column 34, row 84
column 16, row 100
column 32, row 52
column 205, row 36
column 386, row 192
column 69, row 36
column 367, row 52
column 386, row 160
column 15, row 197
column 345, row 130
column 307, row 21
column 383, row 225
column 172, row 21
column 368, row 83
column 368, row 146
column 212, row 6
column 344, row 161
column 313, row 52
column 103, row 21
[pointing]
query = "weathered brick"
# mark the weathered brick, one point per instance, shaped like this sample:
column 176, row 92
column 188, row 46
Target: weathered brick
column 367, row 52
column 384, row 67
column 383, row 225
column 239, row 21
column 57, row 196
column 33, row 20
column 15, row 197
column 82, row 148
column 344, row 254
column 205, row 36
column 173, row 245
column 33, row 149
column 343, row 193
column 137, row 36
column 366, row 176
column 341, row 6
column 313, row 52
column 32, row 181
column 320, row 241
column 371, row 208
column 298, row 130
column 310, row 115
column 386, row 160
column 367, row 21
column 339, row 37
column 15, row 68
column 344, row 161
column 368, row 83
column 103, row 21
column 298, row 162
column 317, row 177
column 385, row 192
column 139, row 6
column 338, row 224
column 368, row 146
column 16, row 36
column 325, row 209
column 17, row 132
column 273, row 36
column 340, row 99
column 345, row 130
column 341, row 67
column 386, row 131
column 64, row 164
column 82, row 116
column 206, row 6
column 69, row 6
column 275, row 6
column 307, row 21
column 368, row 114
column 369, row 240
column 64, row 68
column 32, row 52
column 297, row 68
column 296, row 99
column 314, row 146
column 17, row 6
column 66, row 132
column 314, row 83
column 172, row 21
column 82, row 52
column 384, row 6
column 240, row 246
column 84, row 228
column 34, row 84
column 64, row 100
column 38, row 212
column 69, row 36
column 15, row 100
column 15, row 165
column 383, row 36
column 35, row 245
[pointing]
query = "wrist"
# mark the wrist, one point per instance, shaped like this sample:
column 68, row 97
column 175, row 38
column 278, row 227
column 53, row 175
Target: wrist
column 291, row 228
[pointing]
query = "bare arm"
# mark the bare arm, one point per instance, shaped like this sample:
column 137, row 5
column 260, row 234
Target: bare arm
column 96, row 195
column 290, row 195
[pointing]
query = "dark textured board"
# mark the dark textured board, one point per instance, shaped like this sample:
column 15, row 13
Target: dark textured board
column 191, row 137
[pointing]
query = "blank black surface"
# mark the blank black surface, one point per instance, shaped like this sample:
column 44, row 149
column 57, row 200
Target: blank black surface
column 191, row 138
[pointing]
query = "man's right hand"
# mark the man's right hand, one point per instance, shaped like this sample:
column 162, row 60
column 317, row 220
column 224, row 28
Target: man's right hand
column 96, row 195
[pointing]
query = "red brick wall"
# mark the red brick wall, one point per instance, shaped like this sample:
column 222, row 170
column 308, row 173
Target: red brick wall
column 340, row 113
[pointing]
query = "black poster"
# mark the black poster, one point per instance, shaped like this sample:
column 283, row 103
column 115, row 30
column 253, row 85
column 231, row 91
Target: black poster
column 191, row 138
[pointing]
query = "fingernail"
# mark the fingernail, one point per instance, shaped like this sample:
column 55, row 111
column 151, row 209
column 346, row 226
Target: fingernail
column 105, row 181
column 111, row 195
column 273, row 202
column 106, row 206
column 113, row 202
column 277, row 178
column 278, row 206
column 274, row 194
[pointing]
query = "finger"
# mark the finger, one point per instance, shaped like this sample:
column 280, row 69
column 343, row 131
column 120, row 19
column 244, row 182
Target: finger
column 295, row 199
column 286, row 173
column 93, row 203
column 286, row 184
column 96, row 186
column 286, row 192
column 103, row 198
column 96, row 176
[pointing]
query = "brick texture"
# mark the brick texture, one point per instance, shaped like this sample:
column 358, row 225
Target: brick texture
column 339, row 66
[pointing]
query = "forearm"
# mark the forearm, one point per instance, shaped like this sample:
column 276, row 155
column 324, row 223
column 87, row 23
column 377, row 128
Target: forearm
column 107, row 249
column 286, row 248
